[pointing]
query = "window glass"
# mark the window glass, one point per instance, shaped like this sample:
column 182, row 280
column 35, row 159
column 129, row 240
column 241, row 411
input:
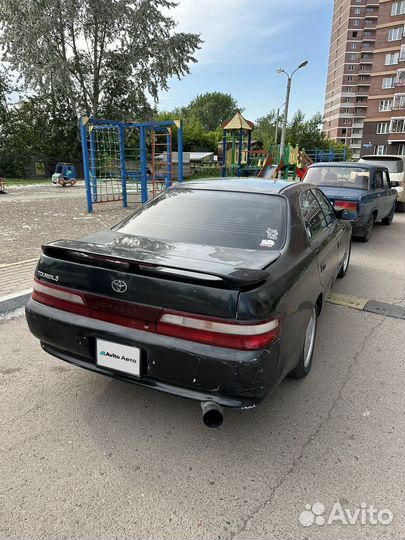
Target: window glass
column 393, row 165
column 211, row 218
column 333, row 175
column 315, row 222
column 385, row 180
column 326, row 206
column 378, row 180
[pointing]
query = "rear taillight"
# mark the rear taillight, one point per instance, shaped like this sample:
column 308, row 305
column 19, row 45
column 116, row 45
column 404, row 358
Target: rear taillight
column 97, row 307
column 211, row 331
column 54, row 295
column 345, row 205
column 234, row 335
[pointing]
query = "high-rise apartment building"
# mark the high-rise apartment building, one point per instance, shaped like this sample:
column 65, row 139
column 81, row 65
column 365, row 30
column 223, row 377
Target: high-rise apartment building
column 384, row 127
column 350, row 66
column 367, row 38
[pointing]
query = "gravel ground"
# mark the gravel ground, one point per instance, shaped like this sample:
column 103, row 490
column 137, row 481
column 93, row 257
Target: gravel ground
column 33, row 215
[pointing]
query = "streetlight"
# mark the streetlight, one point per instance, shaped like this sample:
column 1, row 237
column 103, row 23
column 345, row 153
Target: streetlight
column 287, row 102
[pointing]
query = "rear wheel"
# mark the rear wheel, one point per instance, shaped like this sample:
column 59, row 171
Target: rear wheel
column 305, row 362
column 387, row 220
column 345, row 263
column 368, row 229
column 400, row 206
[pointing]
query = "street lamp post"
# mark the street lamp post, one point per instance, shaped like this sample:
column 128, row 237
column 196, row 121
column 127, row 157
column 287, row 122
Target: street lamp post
column 287, row 102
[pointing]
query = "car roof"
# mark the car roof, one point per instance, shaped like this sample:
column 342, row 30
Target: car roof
column 346, row 165
column 382, row 157
column 250, row 185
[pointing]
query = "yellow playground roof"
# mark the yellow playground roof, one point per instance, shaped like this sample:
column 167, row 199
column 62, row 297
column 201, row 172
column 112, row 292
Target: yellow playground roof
column 238, row 122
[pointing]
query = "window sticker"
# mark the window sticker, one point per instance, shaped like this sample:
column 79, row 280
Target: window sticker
column 272, row 234
column 266, row 243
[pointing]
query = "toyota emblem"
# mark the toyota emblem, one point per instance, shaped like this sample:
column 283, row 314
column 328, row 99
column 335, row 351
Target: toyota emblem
column 119, row 286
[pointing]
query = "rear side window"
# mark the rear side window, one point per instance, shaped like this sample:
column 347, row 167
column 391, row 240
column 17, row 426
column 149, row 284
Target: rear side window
column 315, row 222
column 213, row 218
column 378, row 180
column 326, row 206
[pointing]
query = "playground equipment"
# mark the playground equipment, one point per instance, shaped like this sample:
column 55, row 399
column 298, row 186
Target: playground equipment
column 65, row 174
column 239, row 159
column 236, row 145
column 129, row 161
column 292, row 163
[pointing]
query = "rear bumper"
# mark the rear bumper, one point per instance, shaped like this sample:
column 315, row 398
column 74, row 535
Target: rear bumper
column 196, row 371
column 358, row 225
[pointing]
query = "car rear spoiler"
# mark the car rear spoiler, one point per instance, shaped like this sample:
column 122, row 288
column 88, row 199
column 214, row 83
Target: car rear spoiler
column 142, row 262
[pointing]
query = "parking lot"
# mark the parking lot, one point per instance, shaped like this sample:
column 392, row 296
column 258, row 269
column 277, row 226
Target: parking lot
column 83, row 456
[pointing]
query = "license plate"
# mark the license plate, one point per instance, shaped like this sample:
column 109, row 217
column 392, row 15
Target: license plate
column 119, row 357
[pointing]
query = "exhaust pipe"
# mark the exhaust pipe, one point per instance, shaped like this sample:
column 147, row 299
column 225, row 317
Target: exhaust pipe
column 212, row 414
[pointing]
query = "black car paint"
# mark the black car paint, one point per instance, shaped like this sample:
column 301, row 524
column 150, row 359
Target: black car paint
column 290, row 283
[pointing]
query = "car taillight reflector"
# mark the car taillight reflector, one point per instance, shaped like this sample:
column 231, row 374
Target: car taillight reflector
column 57, row 292
column 220, row 334
column 345, row 205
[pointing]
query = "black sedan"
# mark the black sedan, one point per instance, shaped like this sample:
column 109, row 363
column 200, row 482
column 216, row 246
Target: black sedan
column 211, row 291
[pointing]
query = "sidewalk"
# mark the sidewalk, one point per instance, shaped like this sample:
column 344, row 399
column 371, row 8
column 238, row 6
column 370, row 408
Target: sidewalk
column 15, row 284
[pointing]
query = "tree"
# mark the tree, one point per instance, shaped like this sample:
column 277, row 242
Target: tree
column 37, row 126
column 104, row 56
column 306, row 133
column 195, row 137
column 265, row 129
column 211, row 109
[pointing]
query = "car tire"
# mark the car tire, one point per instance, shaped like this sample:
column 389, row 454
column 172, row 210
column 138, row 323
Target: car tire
column 387, row 220
column 368, row 229
column 400, row 207
column 305, row 362
column 345, row 263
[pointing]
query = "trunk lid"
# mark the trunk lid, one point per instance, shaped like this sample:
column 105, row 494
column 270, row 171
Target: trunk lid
column 186, row 277
column 344, row 194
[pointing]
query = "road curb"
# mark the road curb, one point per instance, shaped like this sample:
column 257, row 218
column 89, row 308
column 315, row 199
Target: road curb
column 368, row 305
column 14, row 301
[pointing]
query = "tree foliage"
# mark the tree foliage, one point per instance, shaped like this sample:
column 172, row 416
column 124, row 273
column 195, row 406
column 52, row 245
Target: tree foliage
column 103, row 56
column 265, row 129
column 305, row 133
column 195, row 137
column 211, row 109
column 202, row 119
column 38, row 126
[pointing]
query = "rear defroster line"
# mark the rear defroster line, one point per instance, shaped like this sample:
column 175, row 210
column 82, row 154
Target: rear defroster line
column 364, row 304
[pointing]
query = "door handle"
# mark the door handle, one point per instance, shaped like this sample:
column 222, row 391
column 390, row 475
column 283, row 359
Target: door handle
column 323, row 267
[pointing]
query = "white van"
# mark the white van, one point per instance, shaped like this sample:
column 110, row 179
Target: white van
column 396, row 167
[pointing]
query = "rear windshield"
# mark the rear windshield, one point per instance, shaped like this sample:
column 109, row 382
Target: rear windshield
column 351, row 177
column 392, row 164
column 213, row 218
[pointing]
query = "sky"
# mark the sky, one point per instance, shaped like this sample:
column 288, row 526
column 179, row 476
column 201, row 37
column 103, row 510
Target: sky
column 245, row 41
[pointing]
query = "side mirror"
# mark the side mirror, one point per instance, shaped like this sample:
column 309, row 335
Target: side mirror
column 394, row 183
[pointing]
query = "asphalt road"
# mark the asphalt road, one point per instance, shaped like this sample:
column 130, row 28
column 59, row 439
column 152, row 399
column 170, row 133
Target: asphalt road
column 82, row 456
